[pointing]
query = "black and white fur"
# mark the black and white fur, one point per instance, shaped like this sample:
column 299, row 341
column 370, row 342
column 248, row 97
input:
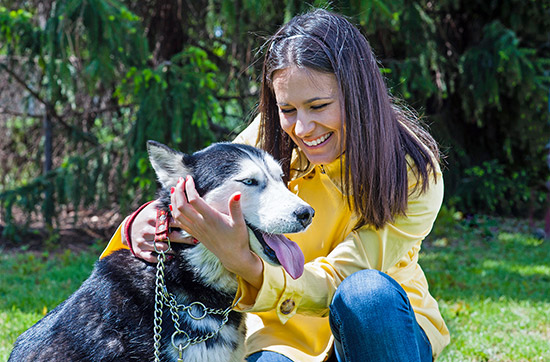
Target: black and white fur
column 110, row 317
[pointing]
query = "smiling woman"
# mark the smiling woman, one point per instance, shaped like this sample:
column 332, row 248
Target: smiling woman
column 325, row 62
column 310, row 113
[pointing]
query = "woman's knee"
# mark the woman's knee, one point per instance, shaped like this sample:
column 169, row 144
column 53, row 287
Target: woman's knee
column 371, row 310
column 367, row 291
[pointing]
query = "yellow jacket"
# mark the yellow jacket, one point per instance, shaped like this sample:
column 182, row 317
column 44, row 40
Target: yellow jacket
column 291, row 316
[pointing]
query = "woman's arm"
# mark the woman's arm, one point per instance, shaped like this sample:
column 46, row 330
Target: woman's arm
column 366, row 248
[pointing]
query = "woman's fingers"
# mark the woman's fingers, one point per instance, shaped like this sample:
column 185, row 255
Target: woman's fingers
column 210, row 226
column 194, row 199
column 143, row 229
column 235, row 209
column 154, row 246
column 182, row 211
column 179, row 236
column 143, row 226
column 149, row 256
column 146, row 250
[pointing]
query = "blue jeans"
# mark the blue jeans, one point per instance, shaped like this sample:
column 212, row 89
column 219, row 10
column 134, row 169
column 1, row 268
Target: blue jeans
column 372, row 320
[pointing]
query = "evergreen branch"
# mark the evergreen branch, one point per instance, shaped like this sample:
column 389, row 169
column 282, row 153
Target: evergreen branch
column 20, row 114
column 24, row 84
column 50, row 110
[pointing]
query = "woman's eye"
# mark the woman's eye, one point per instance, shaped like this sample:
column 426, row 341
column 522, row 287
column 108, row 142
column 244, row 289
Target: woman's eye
column 319, row 106
column 250, row 182
column 287, row 110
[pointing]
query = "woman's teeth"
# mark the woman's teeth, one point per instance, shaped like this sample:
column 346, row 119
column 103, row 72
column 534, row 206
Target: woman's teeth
column 318, row 140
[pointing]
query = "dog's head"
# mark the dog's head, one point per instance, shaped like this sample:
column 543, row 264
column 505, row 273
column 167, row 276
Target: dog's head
column 269, row 208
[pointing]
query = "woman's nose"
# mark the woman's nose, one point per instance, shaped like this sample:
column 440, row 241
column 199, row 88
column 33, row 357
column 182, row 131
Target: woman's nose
column 304, row 125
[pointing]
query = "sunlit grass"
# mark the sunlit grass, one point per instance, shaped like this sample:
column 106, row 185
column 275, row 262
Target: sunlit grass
column 31, row 284
column 493, row 288
column 14, row 322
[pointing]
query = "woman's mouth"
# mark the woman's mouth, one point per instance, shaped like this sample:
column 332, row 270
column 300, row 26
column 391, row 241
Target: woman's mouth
column 318, row 141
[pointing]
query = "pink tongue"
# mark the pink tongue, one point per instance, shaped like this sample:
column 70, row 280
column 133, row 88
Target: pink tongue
column 288, row 252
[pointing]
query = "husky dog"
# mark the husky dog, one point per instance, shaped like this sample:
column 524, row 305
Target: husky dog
column 111, row 316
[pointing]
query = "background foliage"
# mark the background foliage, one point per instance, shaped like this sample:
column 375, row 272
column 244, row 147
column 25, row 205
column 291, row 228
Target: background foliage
column 83, row 84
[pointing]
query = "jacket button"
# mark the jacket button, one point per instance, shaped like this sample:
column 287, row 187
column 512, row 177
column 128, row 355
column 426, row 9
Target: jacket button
column 287, row 306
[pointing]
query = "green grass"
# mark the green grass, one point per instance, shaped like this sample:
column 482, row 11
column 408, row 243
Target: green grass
column 490, row 276
column 31, row 284
column 492, row 281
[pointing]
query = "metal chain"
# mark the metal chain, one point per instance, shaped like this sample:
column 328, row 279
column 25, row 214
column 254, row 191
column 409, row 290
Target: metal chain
column 159, row 292
column 163, row 297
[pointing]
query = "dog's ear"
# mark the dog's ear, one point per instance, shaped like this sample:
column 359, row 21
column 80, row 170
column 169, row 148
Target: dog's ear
column 168, row 164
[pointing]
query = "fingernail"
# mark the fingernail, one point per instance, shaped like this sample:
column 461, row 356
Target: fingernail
column 237, row 197
column 169, row 257
column 172, row 190
column 180, row 179
column 195, row 241
column 170, row 206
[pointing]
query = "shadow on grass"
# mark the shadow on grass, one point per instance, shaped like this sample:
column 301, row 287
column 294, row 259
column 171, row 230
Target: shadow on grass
column 513, row 266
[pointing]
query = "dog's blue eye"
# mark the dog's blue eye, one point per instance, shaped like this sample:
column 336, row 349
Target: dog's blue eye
column 250, row 182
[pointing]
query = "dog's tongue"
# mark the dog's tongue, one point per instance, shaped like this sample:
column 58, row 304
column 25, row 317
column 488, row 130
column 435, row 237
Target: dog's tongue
column 288, row 252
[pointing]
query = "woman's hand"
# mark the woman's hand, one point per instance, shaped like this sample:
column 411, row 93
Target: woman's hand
column 225, row 235
column 142, row 234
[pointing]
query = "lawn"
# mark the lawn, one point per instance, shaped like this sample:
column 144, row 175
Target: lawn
column 491, row 277
column 33, row 283
column 492, row 280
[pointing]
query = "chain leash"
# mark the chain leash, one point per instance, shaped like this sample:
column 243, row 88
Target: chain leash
column 164, row 298
column 159, row 292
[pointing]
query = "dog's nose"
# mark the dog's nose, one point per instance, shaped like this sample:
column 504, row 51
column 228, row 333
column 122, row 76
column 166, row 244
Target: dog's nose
column 304, row 215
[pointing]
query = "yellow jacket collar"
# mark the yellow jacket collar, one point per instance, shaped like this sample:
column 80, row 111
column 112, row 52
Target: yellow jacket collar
column 301, row 167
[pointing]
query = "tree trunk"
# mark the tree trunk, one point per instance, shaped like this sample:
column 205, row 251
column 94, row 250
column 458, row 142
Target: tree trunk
column 48, row 205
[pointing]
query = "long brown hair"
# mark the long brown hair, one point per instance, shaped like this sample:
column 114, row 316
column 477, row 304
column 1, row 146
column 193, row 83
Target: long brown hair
column 379, row 134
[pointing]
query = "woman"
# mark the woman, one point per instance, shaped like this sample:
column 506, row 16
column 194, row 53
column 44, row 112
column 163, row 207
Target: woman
column 370, row 172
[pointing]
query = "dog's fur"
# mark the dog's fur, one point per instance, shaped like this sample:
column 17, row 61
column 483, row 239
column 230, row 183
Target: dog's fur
column 110, row 317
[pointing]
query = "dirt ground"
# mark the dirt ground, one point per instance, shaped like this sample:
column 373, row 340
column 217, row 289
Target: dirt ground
column 91, row 227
